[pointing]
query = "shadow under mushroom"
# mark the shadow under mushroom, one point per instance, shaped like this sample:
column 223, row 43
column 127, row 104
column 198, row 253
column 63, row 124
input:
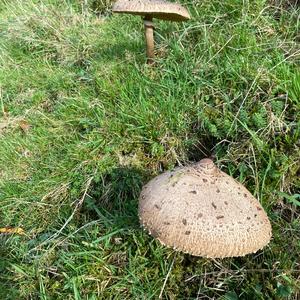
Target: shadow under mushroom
column 114, row 197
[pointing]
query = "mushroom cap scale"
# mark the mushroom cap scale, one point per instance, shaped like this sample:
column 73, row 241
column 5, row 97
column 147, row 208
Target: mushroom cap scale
column 159, row 9
column 203, row 211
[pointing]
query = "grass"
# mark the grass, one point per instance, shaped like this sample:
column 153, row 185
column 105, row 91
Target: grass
column 84, row 123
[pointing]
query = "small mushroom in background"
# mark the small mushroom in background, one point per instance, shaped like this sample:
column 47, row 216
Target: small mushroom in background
column 202, row 211
column 150, row 9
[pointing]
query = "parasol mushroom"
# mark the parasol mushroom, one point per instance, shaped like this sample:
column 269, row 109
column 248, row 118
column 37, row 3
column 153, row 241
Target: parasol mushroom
column 203, row 211
column 150, row 9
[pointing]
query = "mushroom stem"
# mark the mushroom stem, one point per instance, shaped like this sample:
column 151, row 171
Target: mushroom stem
column 149, row 28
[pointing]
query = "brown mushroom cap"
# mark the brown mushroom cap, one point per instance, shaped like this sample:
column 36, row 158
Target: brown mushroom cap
column 203, row 211
column 159, row 9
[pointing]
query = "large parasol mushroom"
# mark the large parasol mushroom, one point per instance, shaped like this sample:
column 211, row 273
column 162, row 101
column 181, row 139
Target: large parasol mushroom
column 203, row 211
column 150, row 9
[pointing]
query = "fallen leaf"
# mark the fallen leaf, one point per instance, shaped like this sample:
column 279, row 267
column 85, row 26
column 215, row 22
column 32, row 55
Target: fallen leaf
column 24, row 125
column 12, row 230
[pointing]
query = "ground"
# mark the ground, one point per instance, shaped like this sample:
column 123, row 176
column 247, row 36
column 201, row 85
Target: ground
column 84, row 123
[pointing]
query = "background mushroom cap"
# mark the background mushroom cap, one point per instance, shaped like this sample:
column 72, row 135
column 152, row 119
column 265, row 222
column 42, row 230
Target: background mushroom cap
column 203, row 211
column 159, row 9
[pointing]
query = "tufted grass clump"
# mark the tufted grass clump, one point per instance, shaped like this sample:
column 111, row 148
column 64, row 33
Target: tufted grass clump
column 84, row 123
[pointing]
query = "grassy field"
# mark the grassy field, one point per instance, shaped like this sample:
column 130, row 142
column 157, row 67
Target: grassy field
column 84, row 123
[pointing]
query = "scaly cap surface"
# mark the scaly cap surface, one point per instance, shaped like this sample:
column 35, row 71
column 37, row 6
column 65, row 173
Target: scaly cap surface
column 203, row 211
column 159, row 9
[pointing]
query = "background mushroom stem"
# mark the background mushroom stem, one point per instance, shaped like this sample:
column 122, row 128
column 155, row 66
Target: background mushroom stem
column 149, row 35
